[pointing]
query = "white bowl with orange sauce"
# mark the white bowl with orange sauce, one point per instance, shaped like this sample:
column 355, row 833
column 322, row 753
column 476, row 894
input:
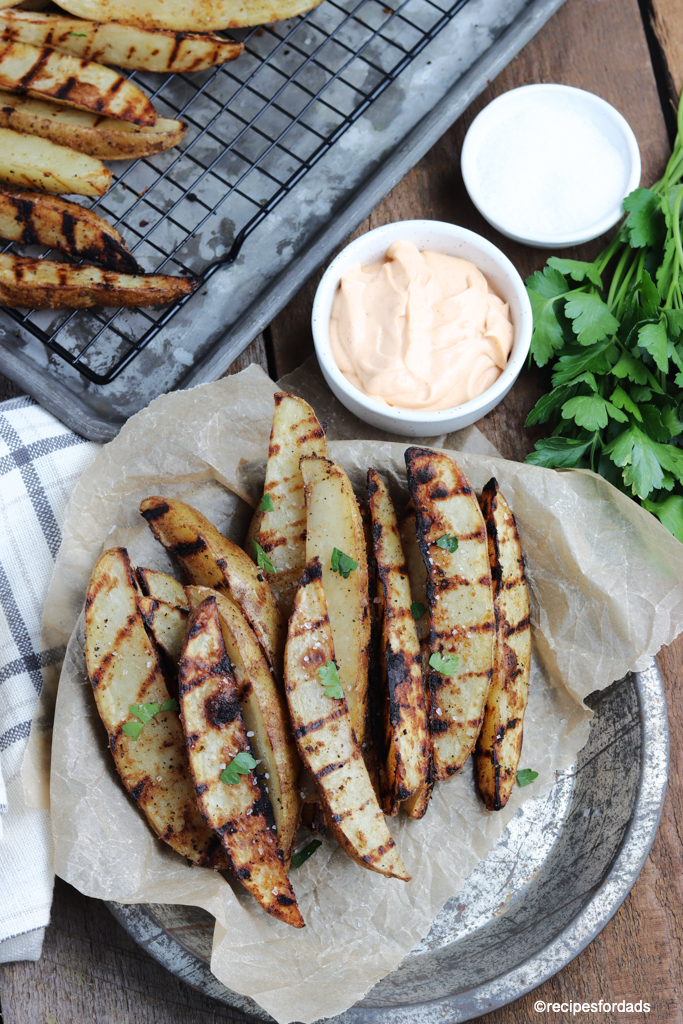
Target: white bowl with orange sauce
column 434, row 236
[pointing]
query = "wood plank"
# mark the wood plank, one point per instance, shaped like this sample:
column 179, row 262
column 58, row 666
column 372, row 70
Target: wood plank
column 667, row 22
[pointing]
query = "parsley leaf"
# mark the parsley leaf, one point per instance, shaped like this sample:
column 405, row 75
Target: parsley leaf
column 592, row 320
column 241, row 764
column 591, row 411
column 577, row 270
column 448, row 543
column 329, row 678
column 559, row 452
column 525, row 776
column 144, row 713
column 417, row 609
column 622, row 400
column 669, row 513
column 544, row 288
column 262, row 559
column 445, row 664
column 266, row 504
column 652, row 337
column 547, row 405
column 81, row 35
column 302, row 856
column 132, row 729
column 341, row 563
column 645, row 225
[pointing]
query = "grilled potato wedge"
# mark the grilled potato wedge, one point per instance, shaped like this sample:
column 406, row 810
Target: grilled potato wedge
column 40, row 71
column 30, row 218
column 165, row 623
column 500, row 740
column 282, row 532
column 122, row 45
column 89, row 133
column 188, row 15
column 406, row 736
column 45, row 284
column 215, row 733
column 325, row 735
column 417, row 573
column 334, row 521
column 462, row 621
column 123, row 670
column 211, row 560
column 162, row 587
column 29, row 162
column 265, row 714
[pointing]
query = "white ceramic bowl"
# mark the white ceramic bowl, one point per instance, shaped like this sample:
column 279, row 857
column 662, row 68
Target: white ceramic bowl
column 453, row 241
column 550, row 165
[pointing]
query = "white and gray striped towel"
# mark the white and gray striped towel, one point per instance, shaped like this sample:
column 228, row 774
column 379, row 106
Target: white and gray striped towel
column 40, row 463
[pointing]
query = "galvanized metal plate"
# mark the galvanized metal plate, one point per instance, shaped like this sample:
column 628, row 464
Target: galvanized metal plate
column 560, row 871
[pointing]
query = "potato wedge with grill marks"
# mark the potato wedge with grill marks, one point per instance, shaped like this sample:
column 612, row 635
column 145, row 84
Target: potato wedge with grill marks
column 123, row 670
column 122, row 45
column 31, row 162
column 281, row 532
column 265, row 714
column 88, row 133
column 406, row 735
column 31, row 218
column 211, row 560
column 325, row 735
column 41, row 71
column 215, row 733
column 46, row 284
column 333, row 520
column 500, row 741
column 161, row 587
column 188, row 15
column 462, row 621
column 165, row 623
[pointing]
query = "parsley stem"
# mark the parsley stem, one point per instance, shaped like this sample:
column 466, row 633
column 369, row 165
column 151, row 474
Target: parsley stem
column 617, row 275
column 676, row 215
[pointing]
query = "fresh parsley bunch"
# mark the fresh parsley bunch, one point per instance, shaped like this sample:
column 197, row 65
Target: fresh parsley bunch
column 613, row 332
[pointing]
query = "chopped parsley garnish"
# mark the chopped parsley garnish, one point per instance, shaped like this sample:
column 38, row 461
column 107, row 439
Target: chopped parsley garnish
column 526, row 776
column 81, row 35
column 446, row 664
column 448, row 543
column 262, row 559
column 417, row 609
column 302, row 856
column 343, row 564
column 241, row 764
column 144, row 712
column 330, row 680
column 266, row 504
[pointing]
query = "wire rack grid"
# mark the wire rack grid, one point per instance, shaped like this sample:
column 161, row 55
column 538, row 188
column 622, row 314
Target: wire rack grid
column 255, row 127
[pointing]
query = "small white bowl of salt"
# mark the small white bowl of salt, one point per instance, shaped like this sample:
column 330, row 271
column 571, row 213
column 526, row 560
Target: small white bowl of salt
column 550, row 165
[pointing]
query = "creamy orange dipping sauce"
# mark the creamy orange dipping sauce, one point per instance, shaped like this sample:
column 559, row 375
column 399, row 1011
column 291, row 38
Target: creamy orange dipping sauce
column 419, row 330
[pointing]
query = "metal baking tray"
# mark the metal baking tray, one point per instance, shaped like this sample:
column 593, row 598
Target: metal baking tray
column 375, row 83
column 559, row 872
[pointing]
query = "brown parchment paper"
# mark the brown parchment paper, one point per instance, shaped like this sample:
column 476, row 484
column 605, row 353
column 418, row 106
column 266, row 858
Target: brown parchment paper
column 605, row 592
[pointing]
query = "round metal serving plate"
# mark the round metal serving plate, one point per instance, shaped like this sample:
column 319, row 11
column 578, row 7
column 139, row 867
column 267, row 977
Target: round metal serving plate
column 560, row 871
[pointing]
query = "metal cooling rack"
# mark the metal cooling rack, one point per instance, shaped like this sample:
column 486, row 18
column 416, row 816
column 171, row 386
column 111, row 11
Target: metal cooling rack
column 256, row 126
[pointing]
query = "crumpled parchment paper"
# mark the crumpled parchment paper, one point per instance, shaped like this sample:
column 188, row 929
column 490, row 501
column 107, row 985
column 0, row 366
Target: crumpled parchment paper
column 604, row 579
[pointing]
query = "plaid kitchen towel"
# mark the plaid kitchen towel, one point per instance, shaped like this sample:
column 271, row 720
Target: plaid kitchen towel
column 40, row 463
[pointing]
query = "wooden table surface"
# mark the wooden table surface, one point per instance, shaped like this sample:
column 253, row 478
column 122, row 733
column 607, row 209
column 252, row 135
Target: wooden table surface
column 91, row 970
